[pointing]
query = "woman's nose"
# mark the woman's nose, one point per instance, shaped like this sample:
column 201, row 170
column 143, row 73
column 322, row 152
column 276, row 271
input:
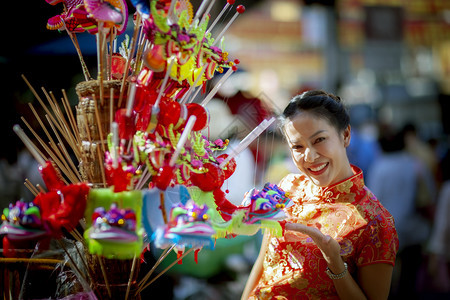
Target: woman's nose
column 310, row 155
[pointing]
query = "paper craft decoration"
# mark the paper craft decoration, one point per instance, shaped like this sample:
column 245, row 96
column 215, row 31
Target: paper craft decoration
column 114, row 223
column 259, row 209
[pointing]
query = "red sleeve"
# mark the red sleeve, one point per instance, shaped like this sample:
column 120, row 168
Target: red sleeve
column 379, row 241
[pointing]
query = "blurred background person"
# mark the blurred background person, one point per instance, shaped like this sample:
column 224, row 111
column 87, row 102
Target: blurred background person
column 436, row 278
column 423, row 151
column 363, row 148
column 395, row 177
column 417, row 147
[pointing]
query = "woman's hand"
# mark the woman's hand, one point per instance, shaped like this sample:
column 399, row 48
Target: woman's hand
column 329, row 247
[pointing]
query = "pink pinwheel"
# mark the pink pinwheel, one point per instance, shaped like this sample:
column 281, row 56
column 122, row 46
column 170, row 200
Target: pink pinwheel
column 112, row 12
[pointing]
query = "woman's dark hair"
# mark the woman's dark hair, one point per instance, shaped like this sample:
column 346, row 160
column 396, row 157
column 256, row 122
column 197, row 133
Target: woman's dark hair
column 319, row 103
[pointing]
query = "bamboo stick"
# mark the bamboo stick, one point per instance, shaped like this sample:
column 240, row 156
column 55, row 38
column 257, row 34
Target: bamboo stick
column 73, row 37
column 38, row 118
column 67, row 130
column 61, row 161
column 36, row 153
column 62, row 123
column 75, row 171
column 31, row 188
column 140, row 50
column 41, row 102
column 100, row 59
column 48, row 150
column 51, row 100
column 111, row 106
column 162, row 256
column 104, row 276
column 41, row 189
column 71, row 118
column 50, row 261
column 68, row 163
column 165, row 270
column 130, row 56
column 133, row 267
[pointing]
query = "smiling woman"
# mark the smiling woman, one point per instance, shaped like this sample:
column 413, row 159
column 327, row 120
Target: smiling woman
column 318, row 149
column 339, row 241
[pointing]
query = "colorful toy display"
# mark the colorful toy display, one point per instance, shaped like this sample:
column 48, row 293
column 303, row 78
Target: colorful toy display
column 144, row 172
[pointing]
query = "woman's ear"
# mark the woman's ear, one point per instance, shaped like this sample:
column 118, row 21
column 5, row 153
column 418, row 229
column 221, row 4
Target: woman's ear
column 347, row 136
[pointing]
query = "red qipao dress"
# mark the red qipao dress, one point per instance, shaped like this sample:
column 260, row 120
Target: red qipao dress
column 294, row 267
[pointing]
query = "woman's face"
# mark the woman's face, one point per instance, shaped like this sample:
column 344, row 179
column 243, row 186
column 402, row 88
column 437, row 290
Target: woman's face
column 318, row 149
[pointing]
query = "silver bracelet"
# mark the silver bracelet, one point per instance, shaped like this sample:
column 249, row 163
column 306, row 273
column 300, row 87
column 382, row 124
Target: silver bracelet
column 337, row 276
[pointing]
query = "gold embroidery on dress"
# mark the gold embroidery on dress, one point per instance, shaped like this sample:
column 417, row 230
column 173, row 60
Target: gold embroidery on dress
column 345, row 186
column 306, row 213
column 299, row 283
column 314, row 190
column 265, row 293
column 296, row 210
column 275, row 266
column 347, row 198
column 328, row 196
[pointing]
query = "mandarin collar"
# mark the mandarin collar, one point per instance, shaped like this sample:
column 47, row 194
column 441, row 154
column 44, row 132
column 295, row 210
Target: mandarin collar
column 344, row 190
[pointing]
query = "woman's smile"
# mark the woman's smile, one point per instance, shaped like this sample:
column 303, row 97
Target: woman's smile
column 318, row 169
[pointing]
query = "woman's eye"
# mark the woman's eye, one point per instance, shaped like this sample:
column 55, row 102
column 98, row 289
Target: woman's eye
column 297, row 147
column 318, row 140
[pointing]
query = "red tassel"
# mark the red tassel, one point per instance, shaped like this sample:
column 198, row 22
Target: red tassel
column 196, row 251
column 146, row 249
column 283, row 225
column 179, row 254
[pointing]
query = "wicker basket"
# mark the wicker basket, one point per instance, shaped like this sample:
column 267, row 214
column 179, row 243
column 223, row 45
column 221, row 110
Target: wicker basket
column 94, row 116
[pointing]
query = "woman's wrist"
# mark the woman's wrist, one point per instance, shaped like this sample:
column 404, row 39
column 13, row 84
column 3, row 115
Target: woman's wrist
column 337, row 275
column 337, row 267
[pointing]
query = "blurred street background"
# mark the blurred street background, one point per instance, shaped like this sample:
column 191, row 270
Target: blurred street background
column 389, row 60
